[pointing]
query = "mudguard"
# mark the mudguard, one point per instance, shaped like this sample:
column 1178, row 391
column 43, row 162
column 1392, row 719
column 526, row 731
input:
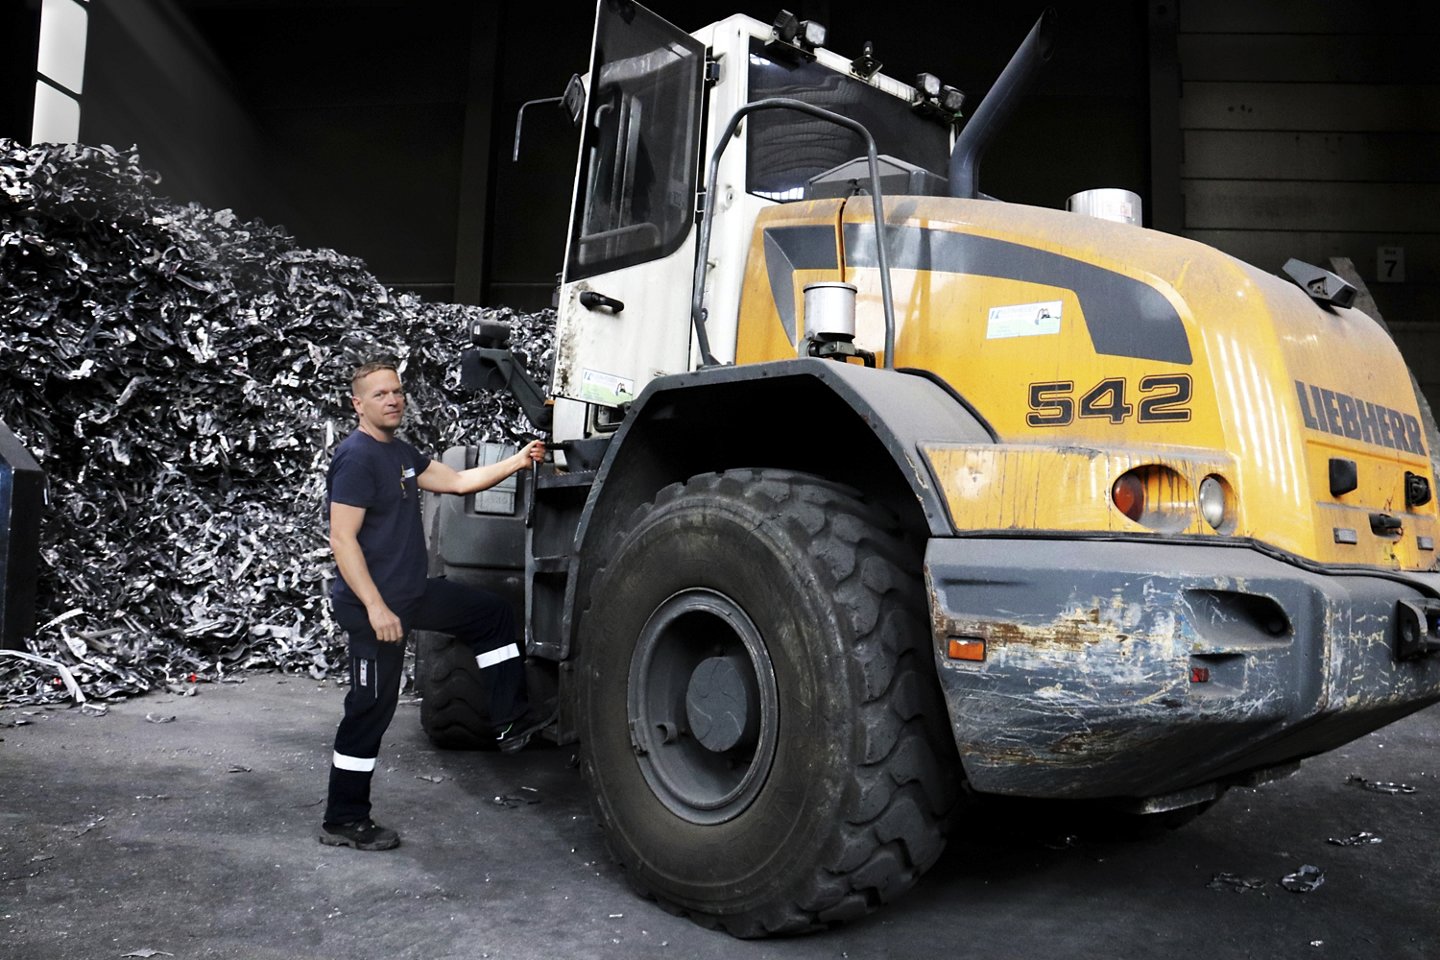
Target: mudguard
column 846, row 422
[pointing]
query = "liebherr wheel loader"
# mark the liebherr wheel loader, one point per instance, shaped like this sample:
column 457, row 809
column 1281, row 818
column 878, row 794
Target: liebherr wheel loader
column 875, row 495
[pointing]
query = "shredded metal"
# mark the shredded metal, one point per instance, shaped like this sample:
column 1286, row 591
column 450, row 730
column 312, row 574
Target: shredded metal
column 181, row 376
column 1360, row 839
column 1235, row 882
column 1379, row 786
column 1307, row 879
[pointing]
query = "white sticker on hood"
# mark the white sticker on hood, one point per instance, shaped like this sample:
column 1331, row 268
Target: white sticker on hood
column 1024, row 320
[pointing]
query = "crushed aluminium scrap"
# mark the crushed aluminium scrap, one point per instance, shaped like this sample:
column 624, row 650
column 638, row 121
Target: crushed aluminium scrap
column 181, row 375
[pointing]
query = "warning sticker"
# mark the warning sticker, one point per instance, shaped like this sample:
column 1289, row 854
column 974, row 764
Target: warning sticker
column 1024, row 320
column 605, row 388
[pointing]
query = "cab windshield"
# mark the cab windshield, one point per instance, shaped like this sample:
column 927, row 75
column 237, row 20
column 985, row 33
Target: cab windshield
column 786, row 148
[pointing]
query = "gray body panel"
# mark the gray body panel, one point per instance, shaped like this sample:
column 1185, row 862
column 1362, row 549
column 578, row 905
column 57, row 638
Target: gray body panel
column 1086, row 689
column 485, row 529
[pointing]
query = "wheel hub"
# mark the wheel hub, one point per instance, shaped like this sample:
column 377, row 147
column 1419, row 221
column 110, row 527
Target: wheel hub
column 703, row 700
column 717, row 704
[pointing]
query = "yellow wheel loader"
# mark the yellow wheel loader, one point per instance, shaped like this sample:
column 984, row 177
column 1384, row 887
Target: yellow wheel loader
column 874, row 494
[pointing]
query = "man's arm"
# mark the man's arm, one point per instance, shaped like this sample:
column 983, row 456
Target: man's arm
column 345, row 523
column 439, row 478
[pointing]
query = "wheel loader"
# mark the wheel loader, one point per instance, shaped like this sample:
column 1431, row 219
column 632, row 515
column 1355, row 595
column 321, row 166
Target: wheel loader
column 875, row 497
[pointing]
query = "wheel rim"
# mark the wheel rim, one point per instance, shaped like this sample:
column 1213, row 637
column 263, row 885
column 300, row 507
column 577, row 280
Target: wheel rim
column 704, row 707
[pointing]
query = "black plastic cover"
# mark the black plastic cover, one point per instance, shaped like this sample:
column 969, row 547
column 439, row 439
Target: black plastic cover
column 22, row 502
column 1343, row 476
column 897, row 179
column 1322, row 285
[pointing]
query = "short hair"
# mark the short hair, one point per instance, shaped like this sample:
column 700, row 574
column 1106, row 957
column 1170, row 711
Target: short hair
column 365, row 369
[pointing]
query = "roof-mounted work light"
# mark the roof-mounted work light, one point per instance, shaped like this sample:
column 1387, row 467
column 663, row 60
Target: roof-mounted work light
column 937, row 99
column 799, row 37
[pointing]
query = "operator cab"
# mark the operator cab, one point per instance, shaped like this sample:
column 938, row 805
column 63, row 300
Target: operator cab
column 657, row 100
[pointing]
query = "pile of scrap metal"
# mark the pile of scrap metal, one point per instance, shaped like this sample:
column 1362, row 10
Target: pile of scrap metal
column 181, row 375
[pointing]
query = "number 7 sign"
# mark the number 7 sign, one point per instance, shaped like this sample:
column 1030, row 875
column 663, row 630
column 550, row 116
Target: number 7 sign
column 1389, row 264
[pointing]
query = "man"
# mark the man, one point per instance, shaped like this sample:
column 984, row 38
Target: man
column 383, row 593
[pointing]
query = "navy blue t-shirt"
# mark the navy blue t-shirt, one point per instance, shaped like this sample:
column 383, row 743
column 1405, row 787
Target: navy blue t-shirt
column 382, row 478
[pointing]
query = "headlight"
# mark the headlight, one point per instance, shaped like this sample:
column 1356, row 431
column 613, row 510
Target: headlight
column 1213, row 501
column 1155, row 496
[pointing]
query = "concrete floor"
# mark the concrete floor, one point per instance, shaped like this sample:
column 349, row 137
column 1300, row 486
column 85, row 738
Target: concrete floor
column 195, row 839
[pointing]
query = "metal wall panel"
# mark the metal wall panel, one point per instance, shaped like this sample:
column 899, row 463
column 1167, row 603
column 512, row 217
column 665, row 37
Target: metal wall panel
column 1393, row 157
column 1310, row 130
column 1254, row 105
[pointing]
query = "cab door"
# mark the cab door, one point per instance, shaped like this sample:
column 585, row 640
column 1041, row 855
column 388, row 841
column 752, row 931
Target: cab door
column 624, row 308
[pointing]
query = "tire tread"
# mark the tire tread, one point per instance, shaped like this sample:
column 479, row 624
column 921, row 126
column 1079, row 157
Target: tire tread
column 452, row 695
column 902, row 795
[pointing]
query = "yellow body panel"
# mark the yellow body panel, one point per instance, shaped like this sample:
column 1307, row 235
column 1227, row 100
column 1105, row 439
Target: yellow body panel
column 760, row 331
column 1188, row 358
column 1002, row 487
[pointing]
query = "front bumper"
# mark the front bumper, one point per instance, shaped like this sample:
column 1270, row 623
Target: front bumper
column 1094, row 653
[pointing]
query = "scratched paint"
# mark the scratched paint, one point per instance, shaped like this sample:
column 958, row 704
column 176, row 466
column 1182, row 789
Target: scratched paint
column 1086, row 691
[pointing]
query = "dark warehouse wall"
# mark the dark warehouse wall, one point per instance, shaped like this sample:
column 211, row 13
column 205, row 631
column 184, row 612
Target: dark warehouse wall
column 152, row 80
column 19, row 43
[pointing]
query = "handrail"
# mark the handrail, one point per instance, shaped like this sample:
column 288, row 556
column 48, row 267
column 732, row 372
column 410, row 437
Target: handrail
column 697, row 310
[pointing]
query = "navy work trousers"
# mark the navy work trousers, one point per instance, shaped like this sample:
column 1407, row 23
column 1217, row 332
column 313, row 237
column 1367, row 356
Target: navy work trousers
column 476, row 618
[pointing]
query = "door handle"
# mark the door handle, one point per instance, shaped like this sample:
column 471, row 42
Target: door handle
column 591, row 300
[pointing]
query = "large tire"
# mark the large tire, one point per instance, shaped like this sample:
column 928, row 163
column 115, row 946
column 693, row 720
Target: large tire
column 759, row 718
column 454, row 702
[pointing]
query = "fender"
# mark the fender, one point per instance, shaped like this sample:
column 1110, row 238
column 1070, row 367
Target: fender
column 847, row 423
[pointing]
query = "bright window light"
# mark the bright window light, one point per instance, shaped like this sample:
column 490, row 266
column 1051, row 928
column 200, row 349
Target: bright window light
column 62, row 43
column 57, row 116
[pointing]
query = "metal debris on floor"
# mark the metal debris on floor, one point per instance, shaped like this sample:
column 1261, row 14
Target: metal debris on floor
column 1235, row 882
column 1356, row 840
column 1308, row 878
column 181, row 375
column 1379, row 786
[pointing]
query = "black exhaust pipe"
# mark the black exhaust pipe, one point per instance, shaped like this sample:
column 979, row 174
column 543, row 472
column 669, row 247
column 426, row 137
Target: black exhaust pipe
column 997, row 106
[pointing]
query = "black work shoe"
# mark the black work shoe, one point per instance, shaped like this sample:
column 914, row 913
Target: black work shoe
column 513, row 736
column 362, row 835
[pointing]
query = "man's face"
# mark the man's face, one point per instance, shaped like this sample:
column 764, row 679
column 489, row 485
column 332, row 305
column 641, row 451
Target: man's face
column 380, row 401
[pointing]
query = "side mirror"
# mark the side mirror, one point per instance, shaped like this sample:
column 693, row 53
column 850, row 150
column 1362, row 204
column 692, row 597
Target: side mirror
column 490, row 334
column 573, row 99
column 491, row 366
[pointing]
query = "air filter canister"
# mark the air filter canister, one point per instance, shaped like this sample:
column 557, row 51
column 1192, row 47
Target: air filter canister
column 830, row 311
column 1107, row 203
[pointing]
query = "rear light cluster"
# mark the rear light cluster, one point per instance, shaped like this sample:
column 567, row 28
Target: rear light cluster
column 1160, row 498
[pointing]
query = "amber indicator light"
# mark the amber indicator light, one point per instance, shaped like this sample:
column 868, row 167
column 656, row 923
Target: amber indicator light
column 1129, row 496
column 967, row 648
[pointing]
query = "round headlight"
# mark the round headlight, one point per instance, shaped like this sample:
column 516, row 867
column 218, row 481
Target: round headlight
column 1212, row 501
column 1156, row 496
